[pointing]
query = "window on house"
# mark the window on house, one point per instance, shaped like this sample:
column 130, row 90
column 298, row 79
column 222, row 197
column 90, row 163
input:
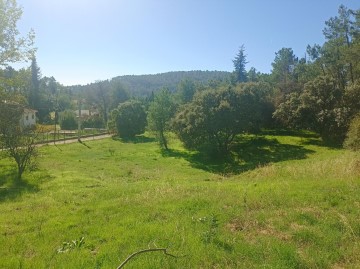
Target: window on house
column 32, row 116
column 27, row 117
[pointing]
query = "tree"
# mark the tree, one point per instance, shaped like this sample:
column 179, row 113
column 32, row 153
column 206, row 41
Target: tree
column 340, row 30
column 352, row 140
column 253, row 75
column 15, row 81
column 186, row 90
column 239, row 65
column 321, row 107
column 13, row 47
column 261, row 96
column 283, row 68
column 160, row 112
column 98, row 94
column 16, row 140
column 118, row 94
column 34, row 95
column 130, row 119
column 68, row 120
column 216, row 116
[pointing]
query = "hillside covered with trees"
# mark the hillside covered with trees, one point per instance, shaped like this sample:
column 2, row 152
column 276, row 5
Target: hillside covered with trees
column 319, row 92
column 196, row 169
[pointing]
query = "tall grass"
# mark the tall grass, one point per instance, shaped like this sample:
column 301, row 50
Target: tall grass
column 282, row 202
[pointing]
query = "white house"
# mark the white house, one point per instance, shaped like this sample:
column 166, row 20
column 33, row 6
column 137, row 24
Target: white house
column 28, row 117
column 86, row 113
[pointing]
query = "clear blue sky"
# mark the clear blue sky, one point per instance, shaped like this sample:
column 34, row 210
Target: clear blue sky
column 81, row 41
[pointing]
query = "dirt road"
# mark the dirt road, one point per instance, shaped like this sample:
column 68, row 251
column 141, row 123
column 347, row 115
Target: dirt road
column 75, row 140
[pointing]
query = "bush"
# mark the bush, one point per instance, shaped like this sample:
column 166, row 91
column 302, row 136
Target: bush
column 68, row 120
column 352, row 140
column 215, row 116
column 93, row 122
column 129, row 118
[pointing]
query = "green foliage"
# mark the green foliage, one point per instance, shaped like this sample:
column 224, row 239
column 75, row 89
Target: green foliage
column 185, row 91
column 262, row 98
column 283, row 70
column 13, row 47
column 161, row 111
column 144, row 85
column 211, row 231
column 118, row 94
column 290, row 113
column 129, row 118
column 253, row 75
column 94, row 121
column 74, row 244
column 352, row 140
column 320, row 107
column 216, row 116
column 17, row 141
column 239, row 65
column 68, row 120
column 35, row 84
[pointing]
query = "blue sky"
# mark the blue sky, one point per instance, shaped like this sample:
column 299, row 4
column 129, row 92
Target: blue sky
column 81, row 41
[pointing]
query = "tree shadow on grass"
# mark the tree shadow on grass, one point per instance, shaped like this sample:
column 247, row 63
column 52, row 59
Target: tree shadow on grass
column 10, row 187
column 286, row 132
column 247, row 153
column 320, row 143
column 135, row 140
column 307, row 137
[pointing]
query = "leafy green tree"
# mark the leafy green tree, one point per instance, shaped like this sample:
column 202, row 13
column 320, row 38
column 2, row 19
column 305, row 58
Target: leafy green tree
column 68, row 120
column 340, row 31
column 119, row 94
column 34, row 95
column 239, row 65
column 13, row 47
column 290, row 113
column 216, row 116
column 352, row 140
column 253, row 75
column 98, row 95
column 15, row 81
column 283, row 70
column 261, row 96
column 94, row 121
column 320, row 107
column 17, row 141
column 129, row 118
column 186, row 90
column 160, row 112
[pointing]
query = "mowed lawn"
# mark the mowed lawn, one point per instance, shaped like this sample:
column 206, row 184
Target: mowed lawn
column 282, row 202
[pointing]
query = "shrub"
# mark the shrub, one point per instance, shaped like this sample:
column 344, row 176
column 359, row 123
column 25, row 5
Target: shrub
column 352, row 140
column 129, row 118
column 68, row 120
column 93, row 122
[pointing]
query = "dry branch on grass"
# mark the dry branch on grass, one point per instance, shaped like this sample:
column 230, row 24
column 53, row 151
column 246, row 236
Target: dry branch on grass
column 164, row 250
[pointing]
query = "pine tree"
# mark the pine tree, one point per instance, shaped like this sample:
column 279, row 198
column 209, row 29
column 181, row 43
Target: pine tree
column 239, row 65
column 34, row 94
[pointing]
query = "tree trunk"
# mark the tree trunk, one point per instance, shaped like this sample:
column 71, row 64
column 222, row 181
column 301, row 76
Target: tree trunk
column 163, row 140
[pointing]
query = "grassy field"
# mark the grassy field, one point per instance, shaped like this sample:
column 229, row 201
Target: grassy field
column 284, row 201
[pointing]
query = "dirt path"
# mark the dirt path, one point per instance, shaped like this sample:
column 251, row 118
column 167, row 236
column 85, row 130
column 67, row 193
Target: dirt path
column 75, row 140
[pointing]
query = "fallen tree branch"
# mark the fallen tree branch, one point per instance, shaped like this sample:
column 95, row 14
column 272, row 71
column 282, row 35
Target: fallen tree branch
column 164, row 250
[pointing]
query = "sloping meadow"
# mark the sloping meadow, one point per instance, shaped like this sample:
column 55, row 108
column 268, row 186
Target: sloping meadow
column 278, row 202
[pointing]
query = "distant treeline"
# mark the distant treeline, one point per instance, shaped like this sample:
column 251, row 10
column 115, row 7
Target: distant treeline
column 144, row 85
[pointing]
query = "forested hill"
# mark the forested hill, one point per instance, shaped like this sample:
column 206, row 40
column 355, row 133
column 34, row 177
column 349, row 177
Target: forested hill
column 141, row 85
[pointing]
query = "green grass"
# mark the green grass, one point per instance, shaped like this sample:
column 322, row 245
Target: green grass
column 283, row 201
